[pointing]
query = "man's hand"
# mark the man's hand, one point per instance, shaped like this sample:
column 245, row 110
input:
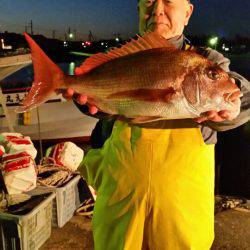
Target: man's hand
column 215, row 116
column 80, row 99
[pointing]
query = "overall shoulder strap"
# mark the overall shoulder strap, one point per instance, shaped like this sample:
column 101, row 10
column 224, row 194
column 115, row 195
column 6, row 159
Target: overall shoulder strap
column 187, row 45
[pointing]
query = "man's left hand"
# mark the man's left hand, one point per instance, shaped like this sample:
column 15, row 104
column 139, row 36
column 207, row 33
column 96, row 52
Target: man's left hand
column 214, row 116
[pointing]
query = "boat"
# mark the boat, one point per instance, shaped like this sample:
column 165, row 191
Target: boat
column 57, row 119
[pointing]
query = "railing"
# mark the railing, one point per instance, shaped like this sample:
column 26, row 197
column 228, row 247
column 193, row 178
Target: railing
column 15, row 60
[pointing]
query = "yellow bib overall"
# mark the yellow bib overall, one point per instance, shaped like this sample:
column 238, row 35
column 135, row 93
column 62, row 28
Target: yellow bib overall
column 155, row 189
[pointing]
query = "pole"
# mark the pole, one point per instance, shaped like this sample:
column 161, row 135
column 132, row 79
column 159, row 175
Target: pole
column 53, row 34
column 39, row 134
column 6, row 112
column 31, row 27
column 75, row 34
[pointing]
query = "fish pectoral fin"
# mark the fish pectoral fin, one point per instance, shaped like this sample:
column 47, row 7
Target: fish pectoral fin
column 146, row 119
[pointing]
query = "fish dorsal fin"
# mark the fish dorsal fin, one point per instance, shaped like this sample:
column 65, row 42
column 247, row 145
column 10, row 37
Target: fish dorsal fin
column 148, row 41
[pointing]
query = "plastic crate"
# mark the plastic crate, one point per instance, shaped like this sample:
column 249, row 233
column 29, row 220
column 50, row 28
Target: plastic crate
column 29, row 231
column 66, row 202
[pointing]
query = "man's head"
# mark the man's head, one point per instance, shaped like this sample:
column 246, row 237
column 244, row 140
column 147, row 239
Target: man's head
column 166, row 17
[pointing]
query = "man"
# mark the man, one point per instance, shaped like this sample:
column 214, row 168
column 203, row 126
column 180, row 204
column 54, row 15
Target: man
column 155, row 182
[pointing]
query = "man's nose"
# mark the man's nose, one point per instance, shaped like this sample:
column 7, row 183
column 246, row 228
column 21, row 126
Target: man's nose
column 158, row 8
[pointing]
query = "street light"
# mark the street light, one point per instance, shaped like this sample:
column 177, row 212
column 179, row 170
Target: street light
column 213, row 41
column 71, row 35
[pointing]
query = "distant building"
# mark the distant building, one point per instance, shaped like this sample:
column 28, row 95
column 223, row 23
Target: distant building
column 3, row 46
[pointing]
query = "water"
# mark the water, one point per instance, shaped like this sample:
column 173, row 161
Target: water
column 24, row 77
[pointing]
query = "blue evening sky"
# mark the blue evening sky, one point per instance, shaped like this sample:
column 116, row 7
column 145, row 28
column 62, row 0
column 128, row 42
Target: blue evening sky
column 107, row 17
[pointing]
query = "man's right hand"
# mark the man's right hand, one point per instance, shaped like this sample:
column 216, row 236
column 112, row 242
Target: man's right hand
column 80, row 99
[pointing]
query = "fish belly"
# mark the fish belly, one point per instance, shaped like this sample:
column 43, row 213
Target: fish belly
column 132, row 109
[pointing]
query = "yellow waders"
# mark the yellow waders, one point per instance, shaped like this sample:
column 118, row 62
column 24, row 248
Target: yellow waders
column 155, row 189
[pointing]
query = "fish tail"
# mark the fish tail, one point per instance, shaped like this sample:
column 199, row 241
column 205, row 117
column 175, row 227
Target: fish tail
column 47, row 78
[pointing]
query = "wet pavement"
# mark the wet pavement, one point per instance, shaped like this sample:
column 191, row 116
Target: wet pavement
column 232, row 232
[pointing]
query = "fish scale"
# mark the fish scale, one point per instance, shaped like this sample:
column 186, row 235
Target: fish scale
column 152, row 69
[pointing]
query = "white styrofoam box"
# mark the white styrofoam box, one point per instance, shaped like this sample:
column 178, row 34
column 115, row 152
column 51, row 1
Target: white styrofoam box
column 18, row 171
column 29, row 231
column 15, row 143
column 66, row 154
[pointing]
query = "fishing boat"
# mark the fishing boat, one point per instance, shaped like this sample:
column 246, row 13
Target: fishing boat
column 57, row 119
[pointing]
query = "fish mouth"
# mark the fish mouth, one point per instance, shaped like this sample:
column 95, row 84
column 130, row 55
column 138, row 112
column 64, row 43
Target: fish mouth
column 232, row 96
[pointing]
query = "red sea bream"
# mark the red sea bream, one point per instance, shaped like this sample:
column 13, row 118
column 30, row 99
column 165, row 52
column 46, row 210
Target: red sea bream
column 146, row 79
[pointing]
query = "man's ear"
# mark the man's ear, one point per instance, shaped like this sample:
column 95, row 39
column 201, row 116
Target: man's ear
column 189, row 12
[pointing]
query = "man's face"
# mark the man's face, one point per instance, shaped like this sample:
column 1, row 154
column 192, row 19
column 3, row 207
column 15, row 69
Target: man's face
column 166, row 17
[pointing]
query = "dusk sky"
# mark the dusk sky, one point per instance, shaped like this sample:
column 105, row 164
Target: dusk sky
column 107, row 17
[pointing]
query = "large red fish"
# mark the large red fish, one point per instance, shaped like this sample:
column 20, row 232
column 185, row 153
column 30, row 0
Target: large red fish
column 146, row 79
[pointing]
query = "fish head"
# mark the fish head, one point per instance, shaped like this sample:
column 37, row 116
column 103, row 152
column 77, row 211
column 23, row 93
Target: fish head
column 208, row 87
column 216, row 86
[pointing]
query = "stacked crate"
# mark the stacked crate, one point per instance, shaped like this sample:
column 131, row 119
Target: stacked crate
column 29, row 231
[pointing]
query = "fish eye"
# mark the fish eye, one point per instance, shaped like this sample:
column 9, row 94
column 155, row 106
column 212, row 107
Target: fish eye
column 212, row 74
